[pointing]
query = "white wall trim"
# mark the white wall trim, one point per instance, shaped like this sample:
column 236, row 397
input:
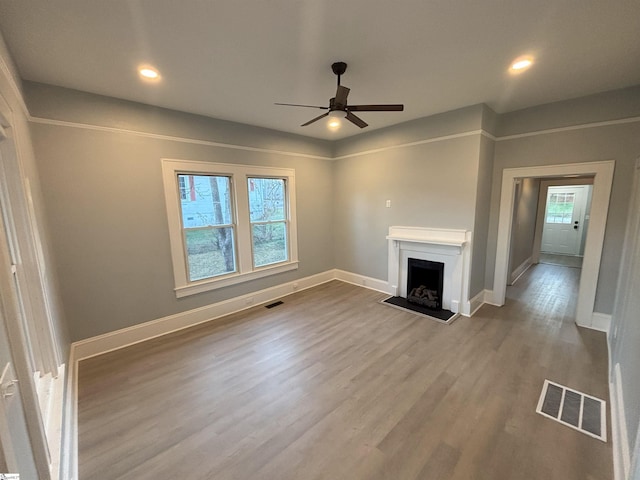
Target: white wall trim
column 363, row 281
column 64, row 123
column 621, row 456
column 581, row 126
column 600, row 322
column 603, row 179
column 520, row 269
column 470, row 308
column 412, row 144
column 173, row 138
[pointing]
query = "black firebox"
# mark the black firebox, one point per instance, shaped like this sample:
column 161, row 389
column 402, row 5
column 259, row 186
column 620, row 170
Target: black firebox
column 424, row 283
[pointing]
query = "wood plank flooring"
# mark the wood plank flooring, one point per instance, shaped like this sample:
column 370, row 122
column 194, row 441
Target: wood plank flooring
column 334, row 385
column 564, row 260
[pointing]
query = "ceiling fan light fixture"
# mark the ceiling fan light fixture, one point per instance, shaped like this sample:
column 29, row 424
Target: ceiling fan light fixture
column 335, row 119
column 521, row 64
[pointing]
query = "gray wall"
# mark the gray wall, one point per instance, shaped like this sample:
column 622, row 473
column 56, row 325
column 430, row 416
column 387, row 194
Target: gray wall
column 619, row 142
column 437, row 171
column 483, row 201
column 429, row 185
column 524, row 222
column 105, row 202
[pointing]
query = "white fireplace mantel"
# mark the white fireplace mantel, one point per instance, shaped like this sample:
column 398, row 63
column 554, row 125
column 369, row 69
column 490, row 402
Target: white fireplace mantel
column 447, row 246
column 433, row 236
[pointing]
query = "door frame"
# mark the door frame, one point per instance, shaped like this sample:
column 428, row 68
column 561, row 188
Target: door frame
column 15, row 327
column 602, row 173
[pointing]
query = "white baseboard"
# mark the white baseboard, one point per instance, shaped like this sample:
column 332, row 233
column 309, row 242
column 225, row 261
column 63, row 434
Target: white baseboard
column 519, row 271
column 490, row 298
column 472, row 306
column 362, row 281
column 145, row 331
column 620, row 439
column 600, row 322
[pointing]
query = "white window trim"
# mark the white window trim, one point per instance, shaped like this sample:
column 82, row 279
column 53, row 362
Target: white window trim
column 238, row 174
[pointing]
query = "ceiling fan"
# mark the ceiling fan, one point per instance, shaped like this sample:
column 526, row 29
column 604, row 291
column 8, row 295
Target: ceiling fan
column 339, row 103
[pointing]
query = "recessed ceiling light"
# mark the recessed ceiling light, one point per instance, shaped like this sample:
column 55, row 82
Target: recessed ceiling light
column 521, row 64
column 148, row 73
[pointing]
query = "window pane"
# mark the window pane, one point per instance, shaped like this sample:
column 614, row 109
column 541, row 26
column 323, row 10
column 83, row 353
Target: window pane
column 269, row 243
column 210, row 252
column 266, row 199
column 205, row 200
column 560, row 207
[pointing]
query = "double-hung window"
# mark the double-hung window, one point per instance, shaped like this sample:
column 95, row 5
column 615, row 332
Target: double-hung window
column 228, row 223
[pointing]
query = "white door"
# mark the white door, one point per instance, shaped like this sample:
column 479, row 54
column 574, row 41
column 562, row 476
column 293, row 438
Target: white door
column 563, row 220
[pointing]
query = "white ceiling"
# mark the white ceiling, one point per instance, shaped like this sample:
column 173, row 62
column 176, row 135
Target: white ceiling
column 232, row 59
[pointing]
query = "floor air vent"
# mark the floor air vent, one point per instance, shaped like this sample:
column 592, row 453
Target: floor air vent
column 577, row 410
column 274, row 304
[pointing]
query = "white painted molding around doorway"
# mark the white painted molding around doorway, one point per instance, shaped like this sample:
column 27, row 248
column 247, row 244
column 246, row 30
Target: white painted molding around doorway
column 603, row 179
column 620, row 440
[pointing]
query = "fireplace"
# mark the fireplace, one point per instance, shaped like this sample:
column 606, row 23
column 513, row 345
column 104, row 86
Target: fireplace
column 446, row 251
column 425, row 282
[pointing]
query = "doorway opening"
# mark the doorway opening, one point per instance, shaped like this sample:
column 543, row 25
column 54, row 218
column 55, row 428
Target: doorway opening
column 602, row 173
column 564, row 222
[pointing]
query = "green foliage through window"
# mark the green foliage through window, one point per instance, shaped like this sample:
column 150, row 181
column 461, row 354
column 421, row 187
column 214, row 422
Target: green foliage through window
column 268, row 220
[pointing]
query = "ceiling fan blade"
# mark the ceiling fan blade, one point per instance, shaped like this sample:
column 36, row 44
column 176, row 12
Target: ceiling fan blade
column 376, row 108
column 298, row 105
column 357, row 120
column 315, row 119
column 341, row 95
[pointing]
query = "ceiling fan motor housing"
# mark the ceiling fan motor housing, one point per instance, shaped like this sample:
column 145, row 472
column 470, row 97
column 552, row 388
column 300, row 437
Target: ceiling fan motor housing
column 339, row 68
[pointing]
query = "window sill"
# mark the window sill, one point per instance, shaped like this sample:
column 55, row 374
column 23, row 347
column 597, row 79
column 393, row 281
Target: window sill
column 214, row 284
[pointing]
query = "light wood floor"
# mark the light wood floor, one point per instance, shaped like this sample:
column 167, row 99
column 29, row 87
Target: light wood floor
column 564, row 260
column 334, row 385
